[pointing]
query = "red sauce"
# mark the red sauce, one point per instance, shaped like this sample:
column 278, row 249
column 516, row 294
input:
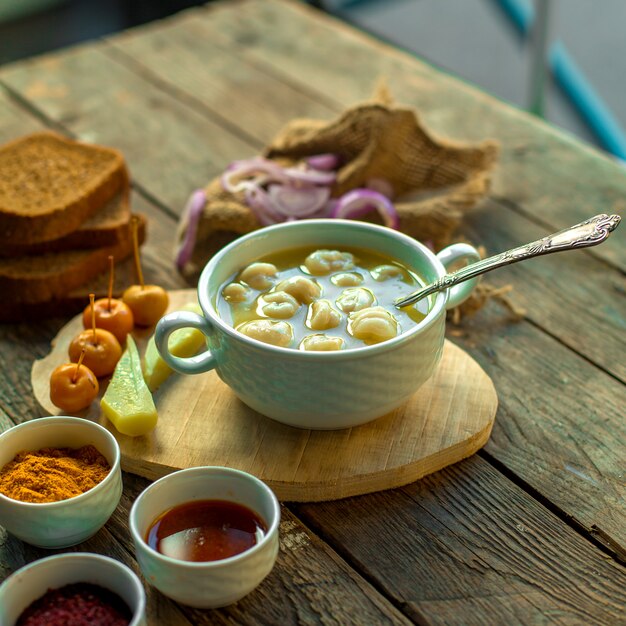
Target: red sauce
column 205, row 530
column 79, row 604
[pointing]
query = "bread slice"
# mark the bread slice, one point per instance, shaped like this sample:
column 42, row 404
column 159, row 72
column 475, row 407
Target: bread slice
column 73, row 302
column 50, row 185
column 106, row 228
column 37, row 279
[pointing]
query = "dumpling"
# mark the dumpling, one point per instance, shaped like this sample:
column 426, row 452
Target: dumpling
column 303, row 289
column 321, row 343
column 322, row 316
column 373, row 325
column 347, row 279
column 384, row 272
column 279, row 304
column 235, row 292
column 258, row 275
column 275, row 333
column 323, row 262
column 355, row 299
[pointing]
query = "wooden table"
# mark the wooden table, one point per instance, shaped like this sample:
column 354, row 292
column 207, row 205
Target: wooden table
column 530, row 530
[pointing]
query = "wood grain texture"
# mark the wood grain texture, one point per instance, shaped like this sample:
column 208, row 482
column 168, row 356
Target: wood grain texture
column 309, row 584
column 447, row 420
column 560, row 424
column 182, row 56
column 571, row 295
column 575, row 324
column 27, row 341
column 178, row 37
column 167, row 53
column 169, row 147
column 464, row 547
column 544, row 172
column 14, row 121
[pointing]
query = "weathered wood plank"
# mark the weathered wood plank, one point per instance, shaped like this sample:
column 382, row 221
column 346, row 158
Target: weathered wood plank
column 310, row 584
column 170, row 148
column 180, row 55
column 547, row 173
column 573, row 296
column 306, row 566
column 582, row 505
column 159, row 609
column 560, row 424
column 26, row 342
column 465, row 546
column 171, row 52
column 5, row 421
column 14, row 120
column 463, row 501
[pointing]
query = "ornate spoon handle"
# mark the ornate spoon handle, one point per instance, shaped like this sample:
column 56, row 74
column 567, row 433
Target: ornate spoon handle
column 591, row 232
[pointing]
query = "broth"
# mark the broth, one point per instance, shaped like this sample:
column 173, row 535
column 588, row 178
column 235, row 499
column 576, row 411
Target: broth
column 316, row 299
column 205, row 530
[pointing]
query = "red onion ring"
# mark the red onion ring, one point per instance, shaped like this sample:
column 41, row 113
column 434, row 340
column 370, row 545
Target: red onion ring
column 247, row 167
column 382, row 185
column 276, row 194
column 260, row 204
column 358, row 202
column 297, row 202
column 311, row 177
column 193, row 211
column 324, row 162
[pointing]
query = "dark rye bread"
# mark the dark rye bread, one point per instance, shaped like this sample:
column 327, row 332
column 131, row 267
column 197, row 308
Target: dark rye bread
column 73, row 302
column 106, row 228
column 38, row 279
column 50, row 185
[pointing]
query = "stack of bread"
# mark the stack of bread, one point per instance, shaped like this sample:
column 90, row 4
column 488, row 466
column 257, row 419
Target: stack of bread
column 64, row 209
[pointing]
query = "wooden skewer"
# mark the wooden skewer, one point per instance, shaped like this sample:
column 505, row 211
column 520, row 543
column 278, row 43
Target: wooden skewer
column 80, row 360
column 111, row 277
column 92, row 299
column 135, row 227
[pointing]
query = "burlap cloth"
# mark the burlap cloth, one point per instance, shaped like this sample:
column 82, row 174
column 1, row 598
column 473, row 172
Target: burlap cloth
column 434, row 181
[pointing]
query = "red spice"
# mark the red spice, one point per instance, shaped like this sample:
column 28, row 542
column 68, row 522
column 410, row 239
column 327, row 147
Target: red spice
column 80, row 604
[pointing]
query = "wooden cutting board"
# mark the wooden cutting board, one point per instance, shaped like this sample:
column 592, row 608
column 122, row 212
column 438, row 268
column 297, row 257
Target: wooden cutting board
column 201, row 422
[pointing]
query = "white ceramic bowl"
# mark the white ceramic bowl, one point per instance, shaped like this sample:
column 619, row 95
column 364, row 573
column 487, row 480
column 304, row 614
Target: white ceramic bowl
column 319, row 390
column 208, row 584
column 31, row 582
column 66, row 522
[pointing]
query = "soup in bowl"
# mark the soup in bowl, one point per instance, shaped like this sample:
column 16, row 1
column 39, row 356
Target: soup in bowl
column 317, row 299
column 300, row 322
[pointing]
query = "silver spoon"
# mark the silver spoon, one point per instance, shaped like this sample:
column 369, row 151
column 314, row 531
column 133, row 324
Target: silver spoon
column 591, row 232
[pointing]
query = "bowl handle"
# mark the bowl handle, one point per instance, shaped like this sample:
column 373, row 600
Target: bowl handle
column 202, row 362
column 450, row 255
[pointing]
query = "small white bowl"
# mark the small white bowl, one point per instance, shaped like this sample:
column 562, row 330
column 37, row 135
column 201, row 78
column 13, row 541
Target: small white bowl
column 28, row 584
column 209, row 584
column 66, row 522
